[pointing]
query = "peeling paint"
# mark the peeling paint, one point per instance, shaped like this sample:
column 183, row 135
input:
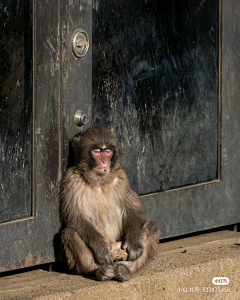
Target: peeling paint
column 39, row 260
column 29, row 260
column 224, row 157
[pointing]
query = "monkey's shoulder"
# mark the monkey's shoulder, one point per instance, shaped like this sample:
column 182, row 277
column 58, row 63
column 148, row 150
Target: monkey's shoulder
column 71, row 173
column 74, row 181
column 121, row 174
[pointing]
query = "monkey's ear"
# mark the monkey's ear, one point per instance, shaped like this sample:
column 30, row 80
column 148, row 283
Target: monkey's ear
column 76, row 141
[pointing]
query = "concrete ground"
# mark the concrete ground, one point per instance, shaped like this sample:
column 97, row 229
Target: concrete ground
column 182, row 269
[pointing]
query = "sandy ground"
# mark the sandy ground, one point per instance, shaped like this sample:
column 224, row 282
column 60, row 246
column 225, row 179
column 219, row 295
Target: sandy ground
column 182, row 269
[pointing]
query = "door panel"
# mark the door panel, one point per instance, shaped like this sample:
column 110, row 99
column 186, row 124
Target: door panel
column 155, row 84
column 215, row 204
column 16, row 111
column 30, row 241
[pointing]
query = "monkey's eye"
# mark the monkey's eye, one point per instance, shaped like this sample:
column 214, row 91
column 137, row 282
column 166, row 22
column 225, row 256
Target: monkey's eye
column 108, row 150
column 96, row 150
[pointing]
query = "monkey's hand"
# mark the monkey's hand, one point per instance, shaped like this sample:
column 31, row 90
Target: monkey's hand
column 134, row 249
column 103, row 254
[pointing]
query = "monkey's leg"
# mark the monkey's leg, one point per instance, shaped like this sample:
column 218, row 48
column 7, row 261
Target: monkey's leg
column 81, row 258
column 150, row 239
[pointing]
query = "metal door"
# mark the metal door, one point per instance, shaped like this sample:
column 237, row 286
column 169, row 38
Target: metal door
column 43, row 84
column 30, row 132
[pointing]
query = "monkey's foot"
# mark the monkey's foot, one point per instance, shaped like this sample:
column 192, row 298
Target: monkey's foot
column 104, row 273
column 122, row 273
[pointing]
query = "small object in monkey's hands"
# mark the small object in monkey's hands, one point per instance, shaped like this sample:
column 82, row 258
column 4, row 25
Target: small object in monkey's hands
column 118, row 253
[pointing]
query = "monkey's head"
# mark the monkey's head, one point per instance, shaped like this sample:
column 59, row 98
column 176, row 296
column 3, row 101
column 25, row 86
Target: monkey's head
column 96, row 150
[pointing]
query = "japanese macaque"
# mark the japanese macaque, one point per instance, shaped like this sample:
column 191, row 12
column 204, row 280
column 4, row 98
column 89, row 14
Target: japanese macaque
column 105, row 235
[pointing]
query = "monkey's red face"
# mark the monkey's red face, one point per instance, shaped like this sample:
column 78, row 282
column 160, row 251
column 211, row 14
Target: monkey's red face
column 102, row 158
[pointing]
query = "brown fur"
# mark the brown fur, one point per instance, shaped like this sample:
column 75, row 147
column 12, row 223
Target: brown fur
column 101, row 209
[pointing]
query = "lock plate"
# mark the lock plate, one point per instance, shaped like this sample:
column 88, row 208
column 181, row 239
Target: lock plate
column 80, row 43
column 80, row 118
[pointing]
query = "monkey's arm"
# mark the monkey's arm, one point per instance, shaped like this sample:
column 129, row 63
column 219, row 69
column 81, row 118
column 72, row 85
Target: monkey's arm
column 93, row 240
column 133, row 220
